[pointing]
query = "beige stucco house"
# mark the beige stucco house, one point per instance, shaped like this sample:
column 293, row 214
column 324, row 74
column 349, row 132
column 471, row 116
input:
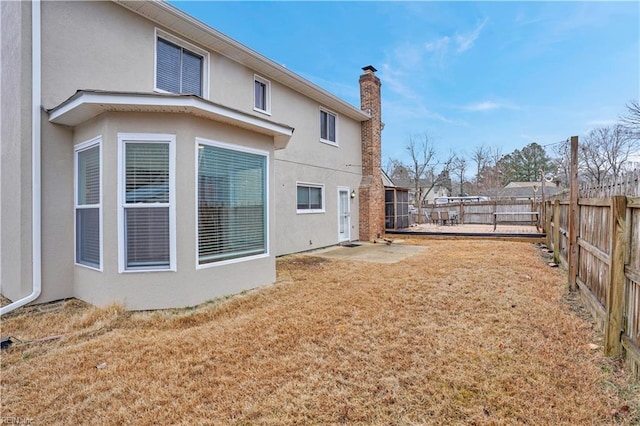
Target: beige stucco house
column 149, row 160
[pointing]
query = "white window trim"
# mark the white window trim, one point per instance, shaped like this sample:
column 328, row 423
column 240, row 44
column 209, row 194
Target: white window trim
column 78, row 148
column 267, row 84
column 146, row 138
column 239, row 148
column 312, row 185
column 327, row 141
column 185, row 44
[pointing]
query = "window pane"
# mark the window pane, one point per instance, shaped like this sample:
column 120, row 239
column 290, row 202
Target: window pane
column 315, row 198
column 147, row 173
column 88, row 219
column 303, row 197
column 168, row 66
column 309, row 197
column 89, row 176
column 147, row 237
column 88, row 236
column 191, row 73
column 332, row 127
column 231, row 204
column 323, row 125
column 260, row 95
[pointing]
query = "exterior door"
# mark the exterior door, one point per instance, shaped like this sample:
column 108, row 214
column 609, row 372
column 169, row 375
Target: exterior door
column 344, row 215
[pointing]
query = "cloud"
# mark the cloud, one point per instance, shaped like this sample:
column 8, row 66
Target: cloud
column 488, row 106
column 466, row 41
column 440, row 47
column 441, row 44
column 396, row 80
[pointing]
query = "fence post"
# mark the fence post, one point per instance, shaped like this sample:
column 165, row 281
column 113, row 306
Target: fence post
column 615, row 299
column 547, row 221
column 556, row 231
column 574, row 215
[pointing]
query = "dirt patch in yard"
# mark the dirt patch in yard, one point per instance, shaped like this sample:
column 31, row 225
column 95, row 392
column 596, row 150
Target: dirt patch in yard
column 461, row 332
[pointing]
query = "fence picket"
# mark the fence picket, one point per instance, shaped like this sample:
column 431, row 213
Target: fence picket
column 609, row 257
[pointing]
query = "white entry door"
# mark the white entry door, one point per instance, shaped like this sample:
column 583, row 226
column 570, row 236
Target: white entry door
column 344, row 215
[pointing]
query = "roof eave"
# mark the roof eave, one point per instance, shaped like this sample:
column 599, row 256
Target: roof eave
column 85, row 105
column 170, row 17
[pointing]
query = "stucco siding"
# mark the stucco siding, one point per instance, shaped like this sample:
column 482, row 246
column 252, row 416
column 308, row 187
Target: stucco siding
column 103, row 46
column 307, row 159
column 304, row 231
column 57, row 212
column 15, row 150
column 94, row 45
column 188, row 285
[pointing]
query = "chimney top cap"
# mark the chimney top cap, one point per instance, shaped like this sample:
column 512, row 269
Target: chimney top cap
column 369, row 69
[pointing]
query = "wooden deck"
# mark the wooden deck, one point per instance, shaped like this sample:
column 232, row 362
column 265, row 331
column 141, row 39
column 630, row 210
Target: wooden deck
column 522, row 231
column 523, row 228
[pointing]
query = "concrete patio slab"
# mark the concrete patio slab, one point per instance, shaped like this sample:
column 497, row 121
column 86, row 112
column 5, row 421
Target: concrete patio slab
column 380, row 252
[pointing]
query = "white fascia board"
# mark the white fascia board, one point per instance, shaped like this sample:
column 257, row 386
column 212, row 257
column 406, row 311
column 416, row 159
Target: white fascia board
column 86, row 105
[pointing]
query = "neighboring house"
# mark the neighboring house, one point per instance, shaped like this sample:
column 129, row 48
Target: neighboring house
column 148, row 159
column 519, row 191
column 435, row 192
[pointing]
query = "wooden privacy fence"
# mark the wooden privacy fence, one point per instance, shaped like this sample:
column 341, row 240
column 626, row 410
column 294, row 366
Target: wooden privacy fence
column 605, row 268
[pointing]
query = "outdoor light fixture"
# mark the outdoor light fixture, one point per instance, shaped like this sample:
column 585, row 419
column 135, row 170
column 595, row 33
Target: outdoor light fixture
column 353, row 194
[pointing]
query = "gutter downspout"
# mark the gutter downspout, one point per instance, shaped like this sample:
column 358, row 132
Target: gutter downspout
column 36, row 190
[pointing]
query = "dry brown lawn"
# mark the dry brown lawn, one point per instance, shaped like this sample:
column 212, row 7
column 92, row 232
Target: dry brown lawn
column 466, row 332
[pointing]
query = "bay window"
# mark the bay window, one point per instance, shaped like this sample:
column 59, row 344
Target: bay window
column 88, row 201
column 147, row 194
column 231, row 202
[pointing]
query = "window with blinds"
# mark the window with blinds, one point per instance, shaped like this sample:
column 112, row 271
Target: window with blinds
column 178, row 70
column 87, row 205
column 261, row 94
column 309, row 198
column 147, row 205
column 328, row 127
column 232, row 203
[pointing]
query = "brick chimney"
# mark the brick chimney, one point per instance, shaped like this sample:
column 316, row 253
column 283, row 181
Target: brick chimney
column 371, row 191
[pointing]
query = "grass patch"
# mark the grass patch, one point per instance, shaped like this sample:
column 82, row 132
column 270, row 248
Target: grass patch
column 466, row 332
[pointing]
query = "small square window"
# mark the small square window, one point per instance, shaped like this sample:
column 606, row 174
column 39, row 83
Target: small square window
column 328, row 122
column 261, row 95
column 310, row 198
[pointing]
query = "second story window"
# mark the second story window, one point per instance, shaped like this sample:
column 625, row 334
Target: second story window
column 261, row 94
column 178, row 69
column 328, row 122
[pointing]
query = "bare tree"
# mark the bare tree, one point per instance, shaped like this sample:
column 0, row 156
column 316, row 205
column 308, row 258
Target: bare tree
column 459, row 166
column 605, row 152
column 592, row 161
column 631, row 120
column 424, row 170
column 481, row 156
column 562, row 160
column 389, row 166
column 423, row 158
